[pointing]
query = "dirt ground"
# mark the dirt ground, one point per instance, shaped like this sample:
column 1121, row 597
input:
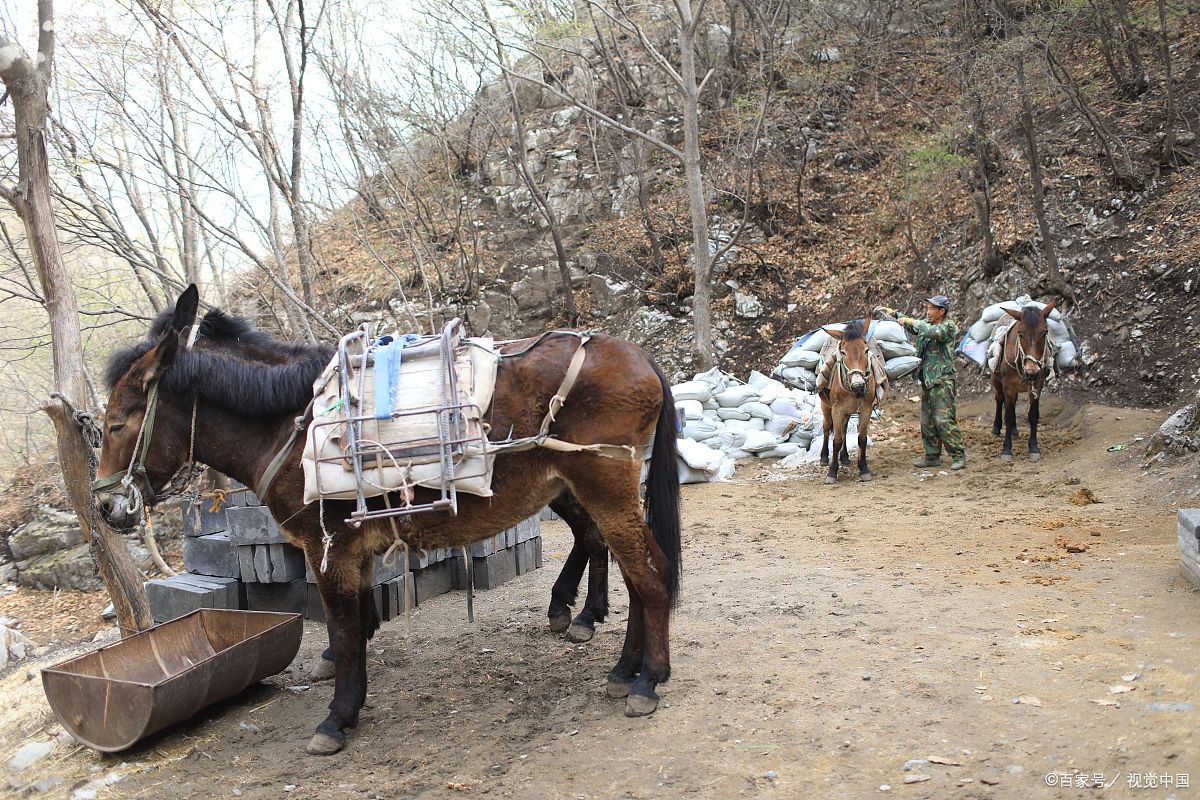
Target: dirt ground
column 982, row 624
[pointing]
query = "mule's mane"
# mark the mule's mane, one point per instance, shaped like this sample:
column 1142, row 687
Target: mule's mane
column 854, row 330
column 233, row 365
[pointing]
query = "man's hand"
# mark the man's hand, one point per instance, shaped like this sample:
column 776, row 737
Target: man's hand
column 886, row 312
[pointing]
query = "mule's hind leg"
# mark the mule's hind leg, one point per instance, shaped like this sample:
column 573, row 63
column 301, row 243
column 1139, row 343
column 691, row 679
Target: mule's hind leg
column 609, row 492
column 1034, row 414
column 342, row 593
column 566, row 588
column 589, row 550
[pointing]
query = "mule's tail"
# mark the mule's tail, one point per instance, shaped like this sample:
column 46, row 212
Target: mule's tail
column 662, row 487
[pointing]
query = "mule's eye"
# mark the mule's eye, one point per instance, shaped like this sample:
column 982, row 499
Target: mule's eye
column 116, row 428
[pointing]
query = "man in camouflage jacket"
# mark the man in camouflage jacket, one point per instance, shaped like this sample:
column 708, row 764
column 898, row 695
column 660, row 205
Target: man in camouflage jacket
column 936, row 338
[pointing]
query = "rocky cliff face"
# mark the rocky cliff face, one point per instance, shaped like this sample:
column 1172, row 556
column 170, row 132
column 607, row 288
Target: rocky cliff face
column 838, row 221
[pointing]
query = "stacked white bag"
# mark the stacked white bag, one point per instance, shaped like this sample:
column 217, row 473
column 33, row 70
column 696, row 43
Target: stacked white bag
column 724, row 419
column 799, row 365
column 994, row 321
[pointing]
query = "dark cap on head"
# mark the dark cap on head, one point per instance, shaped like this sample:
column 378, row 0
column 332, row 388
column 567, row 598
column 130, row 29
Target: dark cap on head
column 940, row 300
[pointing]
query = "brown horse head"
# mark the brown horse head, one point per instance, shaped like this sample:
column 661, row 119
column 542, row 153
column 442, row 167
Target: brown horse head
column 1032, row 356
column 852, row 368
column 130, row 472
column 183, row 392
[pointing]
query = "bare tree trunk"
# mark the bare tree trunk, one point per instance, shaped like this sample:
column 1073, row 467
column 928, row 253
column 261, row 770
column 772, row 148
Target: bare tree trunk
column 693, row 169
column 983, row 196
column 1168, row 148
column 1035, row 172
column 28, row 87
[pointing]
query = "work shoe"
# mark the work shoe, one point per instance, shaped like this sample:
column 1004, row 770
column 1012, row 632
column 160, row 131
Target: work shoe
column 959, row 463
column 927, row 461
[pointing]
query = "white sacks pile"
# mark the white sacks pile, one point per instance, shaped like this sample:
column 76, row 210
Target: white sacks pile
column 799, row 365
column 993, row 323
column 724, row 419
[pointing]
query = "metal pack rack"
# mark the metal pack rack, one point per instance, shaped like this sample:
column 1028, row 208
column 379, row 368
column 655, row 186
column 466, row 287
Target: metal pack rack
column 450, row 442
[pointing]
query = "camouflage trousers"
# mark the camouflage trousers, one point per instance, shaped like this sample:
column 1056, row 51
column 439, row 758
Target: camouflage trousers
column 939, row 421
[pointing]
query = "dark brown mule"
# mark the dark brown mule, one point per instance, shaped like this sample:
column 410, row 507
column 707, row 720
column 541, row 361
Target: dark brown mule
column 244, row 390
column 1025, row 361
column 851, row 389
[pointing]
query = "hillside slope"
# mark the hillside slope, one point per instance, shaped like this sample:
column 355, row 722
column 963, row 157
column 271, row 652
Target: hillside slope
column 862, row 193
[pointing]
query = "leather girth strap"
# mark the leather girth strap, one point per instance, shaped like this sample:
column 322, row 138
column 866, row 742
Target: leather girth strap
column 272, row 470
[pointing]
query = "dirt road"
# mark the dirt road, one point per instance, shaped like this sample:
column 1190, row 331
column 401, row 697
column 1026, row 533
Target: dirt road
column 826, row 636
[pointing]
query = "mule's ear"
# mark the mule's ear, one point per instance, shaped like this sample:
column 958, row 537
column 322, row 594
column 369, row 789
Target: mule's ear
column 866, row 325
column 160, row 358
column 186, row 306
column 1014, row 314
column 182, row 318
column 1049, row 307
column 835, row 333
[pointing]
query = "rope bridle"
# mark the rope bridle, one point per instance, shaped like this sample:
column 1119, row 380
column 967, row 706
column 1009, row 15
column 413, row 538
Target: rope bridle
column 845, row 374
column 137, row 497
column 1020, row 357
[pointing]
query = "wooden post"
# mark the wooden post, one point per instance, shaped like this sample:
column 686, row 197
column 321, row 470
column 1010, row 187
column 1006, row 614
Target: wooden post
column 27, row 83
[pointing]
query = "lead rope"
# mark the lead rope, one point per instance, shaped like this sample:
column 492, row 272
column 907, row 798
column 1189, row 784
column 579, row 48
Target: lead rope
column 389, row 558
column 326, row 536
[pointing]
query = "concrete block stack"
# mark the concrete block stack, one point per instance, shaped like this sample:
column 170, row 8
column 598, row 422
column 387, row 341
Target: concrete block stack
column 237, row 557
column 1189, row 544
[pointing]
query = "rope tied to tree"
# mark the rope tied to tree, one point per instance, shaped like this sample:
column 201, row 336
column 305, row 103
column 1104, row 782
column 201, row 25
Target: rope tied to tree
column 93, row 437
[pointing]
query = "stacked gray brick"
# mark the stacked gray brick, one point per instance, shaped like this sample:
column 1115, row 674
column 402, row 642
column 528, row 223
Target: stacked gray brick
column 241, row 546
column 1189, row 544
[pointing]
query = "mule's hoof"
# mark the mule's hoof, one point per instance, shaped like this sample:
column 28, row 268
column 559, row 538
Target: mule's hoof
column 824, row 462
column 866, row 476
column 1035, row 456
column 560, row 623
column 996, row 432
column 580, row 633
column 639, row 705
column 1006, row 456
column 322, row 671
column 323, row 744
column 616, row 689
column 829, row 479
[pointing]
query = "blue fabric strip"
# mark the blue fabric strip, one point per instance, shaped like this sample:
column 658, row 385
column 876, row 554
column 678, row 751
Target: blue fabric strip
column 387, row 372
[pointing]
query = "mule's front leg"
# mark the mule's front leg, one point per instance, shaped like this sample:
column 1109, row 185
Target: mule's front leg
column 1034, row 414
column 839, row 442
column 864, row 425
column 1010, row 426
column 347, row 639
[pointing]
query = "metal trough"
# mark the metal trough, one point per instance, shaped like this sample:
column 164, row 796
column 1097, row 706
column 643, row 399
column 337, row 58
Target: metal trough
column 112, row 697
